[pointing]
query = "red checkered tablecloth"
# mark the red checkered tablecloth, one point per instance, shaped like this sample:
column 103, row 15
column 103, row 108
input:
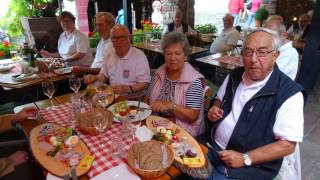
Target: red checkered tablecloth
column 103, row 159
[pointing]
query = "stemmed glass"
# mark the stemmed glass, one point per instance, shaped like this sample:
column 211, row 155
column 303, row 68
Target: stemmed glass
column 100, row 123
column 48, row 90
column 74, row 83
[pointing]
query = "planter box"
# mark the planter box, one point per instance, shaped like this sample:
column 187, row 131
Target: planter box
column 206, row 37
column 42, row 31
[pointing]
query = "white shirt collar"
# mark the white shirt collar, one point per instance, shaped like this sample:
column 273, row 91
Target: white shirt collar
column 257, row 84
column 126, row 57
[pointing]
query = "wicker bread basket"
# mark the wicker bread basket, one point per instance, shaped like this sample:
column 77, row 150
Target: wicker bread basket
column 150, row 173
column 85, row 125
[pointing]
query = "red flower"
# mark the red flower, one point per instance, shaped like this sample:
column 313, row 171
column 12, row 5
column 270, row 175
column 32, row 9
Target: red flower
column 90, row 34
column 6, row 43
column 1, row 53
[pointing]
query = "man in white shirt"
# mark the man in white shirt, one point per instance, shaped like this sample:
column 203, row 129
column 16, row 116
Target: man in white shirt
column 229, row 37
column 104, row 22
column 257, row 114
column 288, row 60
column 126, row 68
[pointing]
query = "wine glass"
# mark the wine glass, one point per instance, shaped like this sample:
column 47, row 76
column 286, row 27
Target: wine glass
column 48, row 90
column 75, row 84
column 101, row 99
column 100, row 123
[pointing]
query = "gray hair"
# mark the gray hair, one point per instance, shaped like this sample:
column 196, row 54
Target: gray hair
column 275, row 37
column 179, row 11
column 277, row 22
column 173, row 38
column 108, row 18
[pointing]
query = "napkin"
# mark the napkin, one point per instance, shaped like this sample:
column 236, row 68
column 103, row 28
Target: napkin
column 52, row 177
column 144, row 134
column 120, row 172
column 25, row 77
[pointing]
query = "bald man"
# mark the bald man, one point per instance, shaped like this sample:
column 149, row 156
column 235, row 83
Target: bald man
column 104, row 22
column 126, row 68
column 229, row 37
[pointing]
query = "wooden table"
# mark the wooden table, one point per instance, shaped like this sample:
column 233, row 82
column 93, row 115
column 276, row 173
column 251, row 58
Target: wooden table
column 216, row 69
column 30, row 124
column 156, row 47
column 23, row 84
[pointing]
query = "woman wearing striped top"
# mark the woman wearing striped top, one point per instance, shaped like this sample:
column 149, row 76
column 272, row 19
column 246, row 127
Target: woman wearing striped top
column 177, row 88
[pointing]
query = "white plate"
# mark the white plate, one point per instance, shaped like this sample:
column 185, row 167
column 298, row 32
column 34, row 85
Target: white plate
column 143, row 115
column 5, row 68
column 65, row 70
column 120, row 172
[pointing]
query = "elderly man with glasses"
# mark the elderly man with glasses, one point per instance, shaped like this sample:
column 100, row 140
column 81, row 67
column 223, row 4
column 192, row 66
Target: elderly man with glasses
column 126, row 68
column 257, row 114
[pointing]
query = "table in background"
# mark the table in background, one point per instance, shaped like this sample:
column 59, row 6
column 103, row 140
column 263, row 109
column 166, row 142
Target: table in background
column 221, row 65
column 154, row 53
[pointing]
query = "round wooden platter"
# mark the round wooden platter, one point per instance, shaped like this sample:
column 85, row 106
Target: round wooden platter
column 181, row 133
column 54, row 166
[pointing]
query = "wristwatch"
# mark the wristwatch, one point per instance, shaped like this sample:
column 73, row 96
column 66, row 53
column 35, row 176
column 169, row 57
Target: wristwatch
column 247, row 160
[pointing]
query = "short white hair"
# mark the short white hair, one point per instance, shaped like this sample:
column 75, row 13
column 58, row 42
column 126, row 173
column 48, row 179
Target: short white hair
column 275, row 37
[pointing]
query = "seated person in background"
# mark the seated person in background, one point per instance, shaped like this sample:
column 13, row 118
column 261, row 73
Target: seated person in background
column 73, row 45
column 178, row 25
column 257, row 114
column 126, row 68
column 228, row 38
column 177, row 88
column 288, row 60
column 104, row 22
column 298, row 32
column 15, row 165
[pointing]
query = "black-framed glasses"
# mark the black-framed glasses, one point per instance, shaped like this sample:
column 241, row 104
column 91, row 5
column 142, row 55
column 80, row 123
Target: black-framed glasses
column 119, row 38
column 260, row 52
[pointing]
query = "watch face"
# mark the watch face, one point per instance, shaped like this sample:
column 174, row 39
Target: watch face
column 247, row 162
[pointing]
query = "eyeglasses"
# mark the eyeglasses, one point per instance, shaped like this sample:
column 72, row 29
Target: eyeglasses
column 119, row 38
column 260, row 52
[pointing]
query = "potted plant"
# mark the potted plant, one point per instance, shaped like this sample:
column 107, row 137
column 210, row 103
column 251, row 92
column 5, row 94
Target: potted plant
column 206, row 32
column 5, row 48
column 94, row 39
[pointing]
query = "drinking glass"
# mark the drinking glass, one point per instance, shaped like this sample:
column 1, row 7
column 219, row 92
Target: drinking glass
column 101, row 99
column 48, row 90
column 100, row 123
column 75, row 84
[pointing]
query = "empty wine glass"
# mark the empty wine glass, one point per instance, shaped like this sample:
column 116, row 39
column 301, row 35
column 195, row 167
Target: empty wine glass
column 48, row 90
column 100, row 123
column 75, row 84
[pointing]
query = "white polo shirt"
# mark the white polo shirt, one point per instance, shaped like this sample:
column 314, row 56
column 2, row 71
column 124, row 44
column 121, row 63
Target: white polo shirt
column 288, row 60
column 228, row 37
column 73, row 43
column 289, row 118
column 131, row 69
column 102, row 48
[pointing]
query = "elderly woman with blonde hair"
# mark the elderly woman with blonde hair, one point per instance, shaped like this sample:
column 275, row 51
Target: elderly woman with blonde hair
column 176, row 89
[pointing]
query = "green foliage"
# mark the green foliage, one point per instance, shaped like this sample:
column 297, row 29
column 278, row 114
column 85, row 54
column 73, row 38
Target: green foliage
column 11, row 22
column 30, row 8
column 206, row 28
column 261, row 14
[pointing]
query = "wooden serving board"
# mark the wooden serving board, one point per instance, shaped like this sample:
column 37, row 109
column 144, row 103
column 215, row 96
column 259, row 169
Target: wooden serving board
column 181, row 133
column 54, row 166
